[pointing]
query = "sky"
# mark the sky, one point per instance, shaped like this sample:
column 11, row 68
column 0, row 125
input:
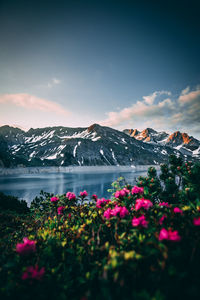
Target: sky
column 123, row 64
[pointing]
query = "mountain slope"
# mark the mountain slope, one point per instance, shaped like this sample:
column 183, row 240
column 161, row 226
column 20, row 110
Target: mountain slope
column 64, row 146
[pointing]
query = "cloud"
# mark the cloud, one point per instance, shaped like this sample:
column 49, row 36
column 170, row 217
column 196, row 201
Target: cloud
column 33, row 103
column 139, row 110
column 187, row 97
column 151, row 98
column 185, row 91
column 172, row 113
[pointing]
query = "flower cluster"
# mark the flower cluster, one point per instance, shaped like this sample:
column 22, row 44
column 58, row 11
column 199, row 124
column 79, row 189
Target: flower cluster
column 162, row 219
column 122, row 211
column 71, row 196
column 143, row 203
column 60, row 210
column 122, row 193
column 196, row 221
column 102, row 202
column 177, row 210
column 169, row 235
column 54, row 199
column 83, row 194
column 141, row 221
column 140, row 235
column 33, row 272
column 26, row 247
column 94, row 196
column 137, row 190
column 164, row 204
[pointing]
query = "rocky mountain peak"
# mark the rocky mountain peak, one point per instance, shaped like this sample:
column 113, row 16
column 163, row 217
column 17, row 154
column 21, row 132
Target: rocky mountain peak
column 93, row 127
column 134, row 132
column 178, row 137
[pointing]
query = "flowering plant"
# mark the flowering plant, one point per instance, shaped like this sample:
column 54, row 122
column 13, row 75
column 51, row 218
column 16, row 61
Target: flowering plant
column 142, row 243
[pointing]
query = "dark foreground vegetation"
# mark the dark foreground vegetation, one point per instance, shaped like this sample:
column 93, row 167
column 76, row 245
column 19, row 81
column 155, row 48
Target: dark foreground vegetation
column 142, row 243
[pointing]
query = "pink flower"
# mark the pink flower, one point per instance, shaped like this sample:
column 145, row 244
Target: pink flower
column 137, row 190
column 166, row 204
column 122, row 193
column 196, row 221
column 124, row 212
column 178, row 210
column 163, row 234
column 141, row 221
column 162, row 219
column 26, row 247
column 118, row 210
column 102, row 202
column 54, row 199
column 94, row 197
column 107, row 213
column 71, row 196
column 33, row 273
column 145, row 203
column 174, row 236
column 83, row 194
column 169, row 235
column 69, row 216
column 60, row 210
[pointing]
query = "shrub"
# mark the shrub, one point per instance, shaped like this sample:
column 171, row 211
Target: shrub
column 138, row 245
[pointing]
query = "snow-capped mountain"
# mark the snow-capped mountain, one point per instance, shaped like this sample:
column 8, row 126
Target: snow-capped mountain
column 186, row 144
column 64, row 146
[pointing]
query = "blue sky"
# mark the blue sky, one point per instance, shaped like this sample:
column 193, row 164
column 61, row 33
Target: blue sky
column 118, row 63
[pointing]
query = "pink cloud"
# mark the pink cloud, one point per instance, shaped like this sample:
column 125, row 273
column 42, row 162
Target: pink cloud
column 33, row 103
column 137, row 111
column 189, row 97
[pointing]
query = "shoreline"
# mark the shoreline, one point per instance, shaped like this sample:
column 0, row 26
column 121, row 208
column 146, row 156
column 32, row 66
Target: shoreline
column 74, row 169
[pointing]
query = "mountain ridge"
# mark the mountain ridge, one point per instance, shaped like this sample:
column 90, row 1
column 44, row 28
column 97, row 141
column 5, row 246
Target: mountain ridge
column 178, row 140
column 81, row 146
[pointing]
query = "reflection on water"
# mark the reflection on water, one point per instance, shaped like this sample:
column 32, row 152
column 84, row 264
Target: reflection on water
column 28, row 186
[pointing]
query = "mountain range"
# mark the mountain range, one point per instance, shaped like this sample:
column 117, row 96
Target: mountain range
column 180, row 141
column 90, row 146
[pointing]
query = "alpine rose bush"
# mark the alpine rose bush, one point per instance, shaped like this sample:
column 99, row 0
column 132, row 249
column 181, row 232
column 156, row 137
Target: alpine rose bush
column 142, row 243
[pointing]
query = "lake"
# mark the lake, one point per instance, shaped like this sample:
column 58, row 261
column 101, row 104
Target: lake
column 28, row 186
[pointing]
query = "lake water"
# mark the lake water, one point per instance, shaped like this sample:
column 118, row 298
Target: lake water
column 28, row 186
